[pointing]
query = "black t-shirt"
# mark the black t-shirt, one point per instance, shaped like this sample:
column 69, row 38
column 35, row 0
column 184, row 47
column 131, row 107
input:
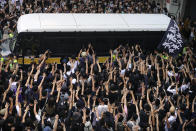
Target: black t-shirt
column 42, row 103
column 19, row 126
column 113, row 96
column 2, row 15
column 144, row 119
column 190, row 127
column 99, row 127
column 184, row 115
column 2, row 123
column 32, row 115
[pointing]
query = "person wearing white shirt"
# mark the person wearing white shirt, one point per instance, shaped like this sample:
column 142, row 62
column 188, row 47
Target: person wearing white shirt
column 73, row 64
column 172, row 118
column 172, row 89
column 185, row 85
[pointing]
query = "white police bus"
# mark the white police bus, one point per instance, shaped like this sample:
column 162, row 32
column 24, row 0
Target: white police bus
column 66, row 34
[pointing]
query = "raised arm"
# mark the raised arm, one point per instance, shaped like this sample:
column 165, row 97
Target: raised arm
column 7, row 66
column 61, row 75
column 135, row 103
column 141, row 103
column 43, row 118
column 148, row 100
column 43, row 60
column 107, row 88
column 35, row 111
column 169, row 99
column 24, row 116
column 1, row 64
column 17, row 94
column 93, row 83
column 16, row 69
column 91, row 72
column 129, row 61
column 21, row 75
column 42, row 81
column 150, row 122
column 187, row 101
column 86, row 61
column 157, row 122
column 193, row 103
column 79, row 54
column 70, row 100
column 152, row 110
column 82, row 91
column 59, row 91
column 56, row 123
column 179, row 116
column 64, row 68
column 94, row 59
column 184, row 125
column 88, row 101
column 99, row 67
column 11, row 105
column 36, row 75
column 6, row 111
column 94, row 100
column 134, row 65
column 6, row 91
column 84, row 115
column 53, row 86
column 167, row 122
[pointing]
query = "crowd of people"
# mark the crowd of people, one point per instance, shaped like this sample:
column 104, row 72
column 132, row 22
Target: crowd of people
column 133, row 90
column 130, row 91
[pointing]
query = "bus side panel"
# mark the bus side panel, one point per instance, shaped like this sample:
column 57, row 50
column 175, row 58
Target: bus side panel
column 70, row 43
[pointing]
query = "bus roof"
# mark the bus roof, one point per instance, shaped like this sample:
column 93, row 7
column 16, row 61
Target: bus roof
column 92, row 22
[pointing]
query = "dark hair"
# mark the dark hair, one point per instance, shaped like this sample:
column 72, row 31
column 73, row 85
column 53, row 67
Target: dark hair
column 135, row 116
column 147, row 107
column 182, row 107
column 120, row 119
column 68, row 68
column 120, row 109
column 44, row 92
column 51, row 101
column 157, row 102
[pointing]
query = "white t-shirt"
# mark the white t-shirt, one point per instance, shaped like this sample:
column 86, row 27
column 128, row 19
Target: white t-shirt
column 170, row 73
column 173, row 91
column 171, row 120
column 101, row 109
column 184, row 87
column 13, row 86
column 75, row 65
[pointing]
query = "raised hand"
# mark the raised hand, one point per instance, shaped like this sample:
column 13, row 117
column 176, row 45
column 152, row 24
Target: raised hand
column 7, row 105
column 35, row 102
column 27, row 108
